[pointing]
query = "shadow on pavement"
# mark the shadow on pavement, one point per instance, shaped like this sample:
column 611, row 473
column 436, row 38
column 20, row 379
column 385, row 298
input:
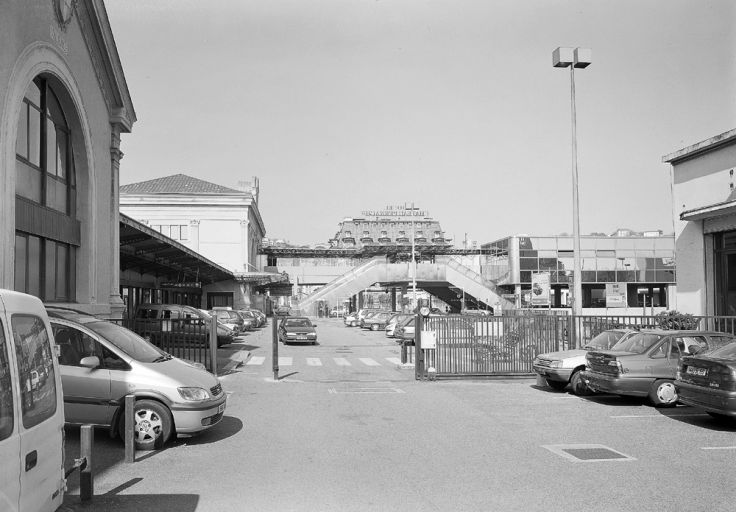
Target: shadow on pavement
column 132, row 503
column 227, row 427
column 698, row 417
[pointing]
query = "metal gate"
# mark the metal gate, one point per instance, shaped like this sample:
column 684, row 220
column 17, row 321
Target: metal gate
column 485, row 345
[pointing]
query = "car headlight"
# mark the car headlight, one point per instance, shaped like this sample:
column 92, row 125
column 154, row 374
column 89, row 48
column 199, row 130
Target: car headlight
column 312, row 335
column 194, row 394
column 555, row 364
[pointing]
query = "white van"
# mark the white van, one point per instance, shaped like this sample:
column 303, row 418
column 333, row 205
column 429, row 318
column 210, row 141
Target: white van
column 31, row 408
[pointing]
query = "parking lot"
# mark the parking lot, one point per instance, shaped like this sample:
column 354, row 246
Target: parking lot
column 365, row 436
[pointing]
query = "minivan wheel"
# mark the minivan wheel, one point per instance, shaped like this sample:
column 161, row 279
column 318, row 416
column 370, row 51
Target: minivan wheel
column 152, row 427
column 663, row 393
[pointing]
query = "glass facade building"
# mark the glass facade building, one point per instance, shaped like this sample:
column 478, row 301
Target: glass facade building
column 645, row 265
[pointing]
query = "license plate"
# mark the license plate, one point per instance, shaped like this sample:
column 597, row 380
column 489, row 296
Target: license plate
column 221, row 408
column 699, row 372
column 301, row 337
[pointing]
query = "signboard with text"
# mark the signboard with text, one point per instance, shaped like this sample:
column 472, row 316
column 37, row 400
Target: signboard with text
column 616, row 295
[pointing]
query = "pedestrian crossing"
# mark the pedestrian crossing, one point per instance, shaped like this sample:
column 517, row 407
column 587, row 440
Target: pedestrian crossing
column 332, row 361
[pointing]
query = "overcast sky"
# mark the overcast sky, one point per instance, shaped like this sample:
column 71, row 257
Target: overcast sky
column 340, row 106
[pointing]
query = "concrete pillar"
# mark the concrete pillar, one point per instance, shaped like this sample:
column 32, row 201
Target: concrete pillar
column 117, row 306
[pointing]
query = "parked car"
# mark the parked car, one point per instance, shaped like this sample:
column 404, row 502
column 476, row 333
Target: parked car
column 231, row 319
column 393, row 322
column 31, row 418
column 181, row 323
column 297, row 329
column 377, row 321
column 645, row 364
column 250, row 318
column 368, row 315
column 101, row 362
column 708, row 381
column 351, row 319
column 405, row 329
column 565, row 367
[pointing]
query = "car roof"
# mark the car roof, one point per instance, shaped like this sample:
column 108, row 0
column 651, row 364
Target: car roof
column 79, row 317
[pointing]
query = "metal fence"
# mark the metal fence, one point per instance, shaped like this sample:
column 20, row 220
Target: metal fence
column 183, row 338
column 462, row 346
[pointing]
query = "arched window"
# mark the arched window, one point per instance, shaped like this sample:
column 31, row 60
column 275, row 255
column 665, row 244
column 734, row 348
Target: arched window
column 46, row 227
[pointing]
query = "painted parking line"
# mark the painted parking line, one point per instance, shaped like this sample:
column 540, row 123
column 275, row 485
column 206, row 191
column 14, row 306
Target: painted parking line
column 314, row 361
column 393, row 360
column 718, row 448
column 256, row 360
column 286, row 361
column 369, row 362
column 341, row 361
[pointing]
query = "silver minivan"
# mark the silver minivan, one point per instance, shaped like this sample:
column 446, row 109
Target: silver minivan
column 31, row 411
column 101, row 362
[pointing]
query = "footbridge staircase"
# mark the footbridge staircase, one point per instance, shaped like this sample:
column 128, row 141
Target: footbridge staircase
column 445, row 271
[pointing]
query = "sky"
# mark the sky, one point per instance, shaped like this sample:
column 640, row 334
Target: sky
column 340, row 106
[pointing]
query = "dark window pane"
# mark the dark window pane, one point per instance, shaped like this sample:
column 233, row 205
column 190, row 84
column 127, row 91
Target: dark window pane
column 606, row 276
column 62, row 272
column 50, row 268
column 588, row 276
column 525, row 276
column 34, row 266
column 27, row 181
column 528, row 264
column 56, row 191
column 61, row 147
column 50, row 148
column 34, row 136
column 21, row 251
column 33, row 94
column 625, row 276
column 21, row 137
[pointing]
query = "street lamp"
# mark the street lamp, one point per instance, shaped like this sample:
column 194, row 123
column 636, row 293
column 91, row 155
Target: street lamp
column 574, row 58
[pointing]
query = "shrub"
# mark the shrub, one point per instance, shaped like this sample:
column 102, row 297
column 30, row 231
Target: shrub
column 672, row 320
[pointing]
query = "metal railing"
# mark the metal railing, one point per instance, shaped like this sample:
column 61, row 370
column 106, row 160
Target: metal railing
column 506, row 345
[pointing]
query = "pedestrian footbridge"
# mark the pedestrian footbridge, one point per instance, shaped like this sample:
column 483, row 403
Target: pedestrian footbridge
column 434, row 277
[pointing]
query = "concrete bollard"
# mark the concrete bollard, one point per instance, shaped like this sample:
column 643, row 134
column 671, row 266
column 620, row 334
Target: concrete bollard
column 86, row 477
column 129, row 439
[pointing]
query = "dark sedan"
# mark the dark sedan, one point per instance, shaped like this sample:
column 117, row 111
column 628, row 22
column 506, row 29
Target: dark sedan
column 297, row 329
column 709, row 381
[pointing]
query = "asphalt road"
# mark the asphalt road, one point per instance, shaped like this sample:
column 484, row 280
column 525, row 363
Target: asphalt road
column 345, row 429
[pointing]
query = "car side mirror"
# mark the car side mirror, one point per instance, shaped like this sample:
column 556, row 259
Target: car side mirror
column 314, row 325
column 90, row 362
column 694, row 349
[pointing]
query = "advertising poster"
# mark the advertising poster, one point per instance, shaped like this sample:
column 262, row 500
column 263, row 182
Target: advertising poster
column 540, row 289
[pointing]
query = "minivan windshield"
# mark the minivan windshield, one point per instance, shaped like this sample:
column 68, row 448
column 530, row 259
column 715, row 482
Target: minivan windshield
column 638, row 343
column 128, row 341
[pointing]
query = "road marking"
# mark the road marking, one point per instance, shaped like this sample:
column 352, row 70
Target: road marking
column 314, row 361
column 369, row 362
column 365, row 391
column 286, row 361
column 341, row 361
column 393, row 360
column 718, row 448
column 256, row 360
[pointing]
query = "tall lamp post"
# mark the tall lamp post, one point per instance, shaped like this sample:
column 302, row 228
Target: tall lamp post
column 574, row 58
